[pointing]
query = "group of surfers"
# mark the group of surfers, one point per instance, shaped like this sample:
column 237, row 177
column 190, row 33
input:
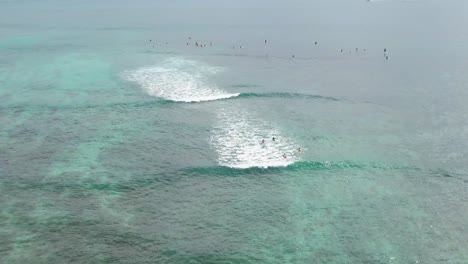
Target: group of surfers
column 284, row 154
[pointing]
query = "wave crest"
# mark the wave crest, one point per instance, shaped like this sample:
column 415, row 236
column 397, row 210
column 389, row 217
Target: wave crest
column 295, row 166
column 179, row 80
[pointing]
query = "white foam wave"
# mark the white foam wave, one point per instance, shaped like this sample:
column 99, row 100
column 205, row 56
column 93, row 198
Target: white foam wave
column 237, row 140
column 179, row 80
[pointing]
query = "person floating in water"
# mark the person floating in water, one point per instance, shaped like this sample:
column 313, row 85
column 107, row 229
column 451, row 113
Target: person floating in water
column 265, row 41
column 293, row 56
column 273, row 139
column 316, row 43
column 299, row 149
column 263, row 141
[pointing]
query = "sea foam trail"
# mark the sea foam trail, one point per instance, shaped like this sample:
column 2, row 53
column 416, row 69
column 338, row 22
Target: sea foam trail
column 237, row 140
column 179, row 80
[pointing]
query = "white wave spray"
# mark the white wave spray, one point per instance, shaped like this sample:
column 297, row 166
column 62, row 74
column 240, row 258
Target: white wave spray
column 179, row 80
column 238, row 141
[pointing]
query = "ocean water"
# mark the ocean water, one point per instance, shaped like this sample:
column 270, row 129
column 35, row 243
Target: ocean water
column 123, row 142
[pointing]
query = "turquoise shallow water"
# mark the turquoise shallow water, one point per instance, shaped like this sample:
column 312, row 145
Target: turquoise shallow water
column 115, row 151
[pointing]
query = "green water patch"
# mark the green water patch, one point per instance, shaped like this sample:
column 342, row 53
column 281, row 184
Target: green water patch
column 307, row 233
column 339, row 216
column 107, row 187
column 357, row 216
column 25, row 218
column 22, row 249
column 21, row 41
column 90, row 155
column 49, row 232
column 10, row 123
column 384, row 216
column 79, row 189
column 22, row 140
column 84, row 107
column 15, row 79
column 210, row 259
column 77, row 75
column 81, row 172
column 73, row 78
column 84, row 158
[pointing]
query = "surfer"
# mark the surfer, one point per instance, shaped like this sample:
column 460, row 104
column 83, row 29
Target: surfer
column 263, row 142
column 299, row 149
column 265, row 41
column 273, row 139
column 284, row 156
